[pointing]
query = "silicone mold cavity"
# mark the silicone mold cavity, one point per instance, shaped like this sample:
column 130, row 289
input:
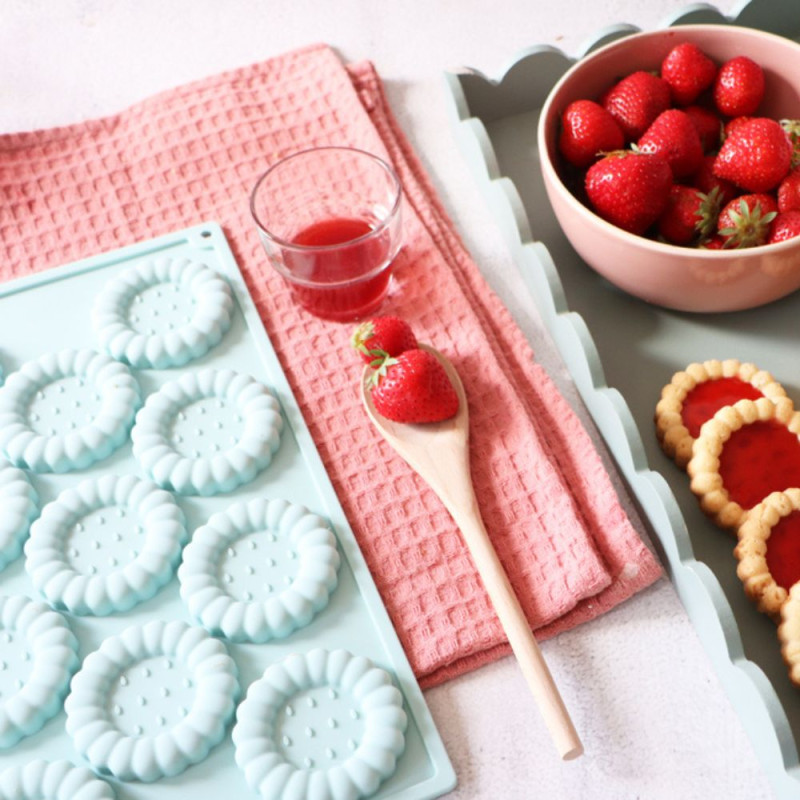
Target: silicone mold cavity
column 52, row 780
column 152, row 701
column 66, row 410
column 38, row 654
column 320, row 725
column 259, row 570
column 162, row 313
column 207, row 432
column 19, row 504
column 105, row 545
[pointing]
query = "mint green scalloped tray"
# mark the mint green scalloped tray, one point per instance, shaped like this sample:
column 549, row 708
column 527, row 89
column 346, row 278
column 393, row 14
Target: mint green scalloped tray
column 621, row 351
column 50, row 311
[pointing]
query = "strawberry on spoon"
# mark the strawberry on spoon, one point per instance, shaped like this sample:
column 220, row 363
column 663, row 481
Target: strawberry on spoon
column 413, row 387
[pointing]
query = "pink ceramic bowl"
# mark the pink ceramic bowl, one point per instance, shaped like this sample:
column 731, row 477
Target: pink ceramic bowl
column 687, row 279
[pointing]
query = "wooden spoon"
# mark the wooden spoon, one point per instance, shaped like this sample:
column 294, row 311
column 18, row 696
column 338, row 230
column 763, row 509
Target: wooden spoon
column 439, row 452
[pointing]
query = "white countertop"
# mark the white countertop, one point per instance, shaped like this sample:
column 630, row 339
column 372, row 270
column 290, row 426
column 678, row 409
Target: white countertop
column 652, row 714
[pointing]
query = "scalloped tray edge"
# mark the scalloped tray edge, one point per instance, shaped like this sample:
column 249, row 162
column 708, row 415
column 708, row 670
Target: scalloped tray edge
column 748, row 688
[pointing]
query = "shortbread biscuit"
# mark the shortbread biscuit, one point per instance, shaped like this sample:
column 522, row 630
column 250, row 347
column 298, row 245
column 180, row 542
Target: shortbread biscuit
column 789, row 633
column 744, row 453
column 697, row 392
column 768, row 551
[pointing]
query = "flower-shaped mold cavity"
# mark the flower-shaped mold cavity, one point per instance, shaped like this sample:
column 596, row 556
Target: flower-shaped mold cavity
column 38, row 654
column 320, row 725
column 696, row 393
column 207, row 432
column 259, row 570
column 162, row 313
column 52, row 780
column 152, row 701
column 66, row 410
column 105, row 545
column 18, row 507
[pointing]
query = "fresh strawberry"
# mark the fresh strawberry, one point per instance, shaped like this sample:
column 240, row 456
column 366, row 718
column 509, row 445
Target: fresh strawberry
column 673, row 135
column 785, row 226
column 587, row 130
column 739, row 87
column 629, row 189
column 709, row 127
column 789, row 192
column 413, row 387
column 706, row 181
column 689, row 216
column 382, row 336
column 715, row 242
column 792, row 128
column 745, row 221
column 636, row 101
column 732, row 124
column 688, row 71
column 757, row 155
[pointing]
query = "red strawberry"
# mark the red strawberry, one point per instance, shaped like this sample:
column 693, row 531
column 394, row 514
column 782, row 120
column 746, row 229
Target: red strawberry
column 690, row 215
column 756, row 156
column 636, row 101
column 413, row 387
column 789, row 192
column 629, row 189
column 674, row 136
column 709, row 126
column 745, row 221
column 732, row 124
column 715, row 242
column 688, row 71
column 383, row 336
column 785, row 226
column 706, row 181
column 792, row 128
column 739, row 87
column 587, row 130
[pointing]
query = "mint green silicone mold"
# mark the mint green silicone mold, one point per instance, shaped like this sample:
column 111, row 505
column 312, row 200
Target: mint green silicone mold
column 52, row 780
column 259, row 570
column 66, row 410
column 162, row 313
column 38, row 654
column 105, row 545
column 152, row 701
column 19, row 504
column 207, row 432
column 327, row 724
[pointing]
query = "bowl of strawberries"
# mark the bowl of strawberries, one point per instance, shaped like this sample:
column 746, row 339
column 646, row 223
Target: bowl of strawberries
column 671, row 159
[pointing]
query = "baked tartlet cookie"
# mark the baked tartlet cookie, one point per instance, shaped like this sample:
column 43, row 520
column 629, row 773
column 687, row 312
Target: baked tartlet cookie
column 768, row 551
column 789, row 633
column 696, row 393
column 745, row 452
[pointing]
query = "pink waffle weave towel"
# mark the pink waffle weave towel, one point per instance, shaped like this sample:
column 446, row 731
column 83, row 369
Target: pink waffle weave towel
column 192, row 154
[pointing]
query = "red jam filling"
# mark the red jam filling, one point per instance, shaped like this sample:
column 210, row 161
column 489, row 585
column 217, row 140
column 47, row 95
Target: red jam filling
column 783, row 551
column 702, row 402
column 758, row 459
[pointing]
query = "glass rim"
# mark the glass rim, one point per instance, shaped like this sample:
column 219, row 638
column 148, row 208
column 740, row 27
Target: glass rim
column 322, row 248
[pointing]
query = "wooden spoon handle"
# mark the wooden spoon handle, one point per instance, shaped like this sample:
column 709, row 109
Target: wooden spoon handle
column 515, row 624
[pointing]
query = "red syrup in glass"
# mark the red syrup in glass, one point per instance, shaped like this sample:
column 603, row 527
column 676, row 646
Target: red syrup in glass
column 702, row 402
column 783, row 551
column 344, row 282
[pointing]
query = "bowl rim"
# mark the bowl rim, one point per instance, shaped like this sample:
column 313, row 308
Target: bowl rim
column 588, row 214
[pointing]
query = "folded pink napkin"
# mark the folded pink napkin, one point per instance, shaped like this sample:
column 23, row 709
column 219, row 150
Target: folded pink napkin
column 192, row 154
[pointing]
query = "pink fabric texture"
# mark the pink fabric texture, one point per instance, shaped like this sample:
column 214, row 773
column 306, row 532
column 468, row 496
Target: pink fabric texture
column 192, row 154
